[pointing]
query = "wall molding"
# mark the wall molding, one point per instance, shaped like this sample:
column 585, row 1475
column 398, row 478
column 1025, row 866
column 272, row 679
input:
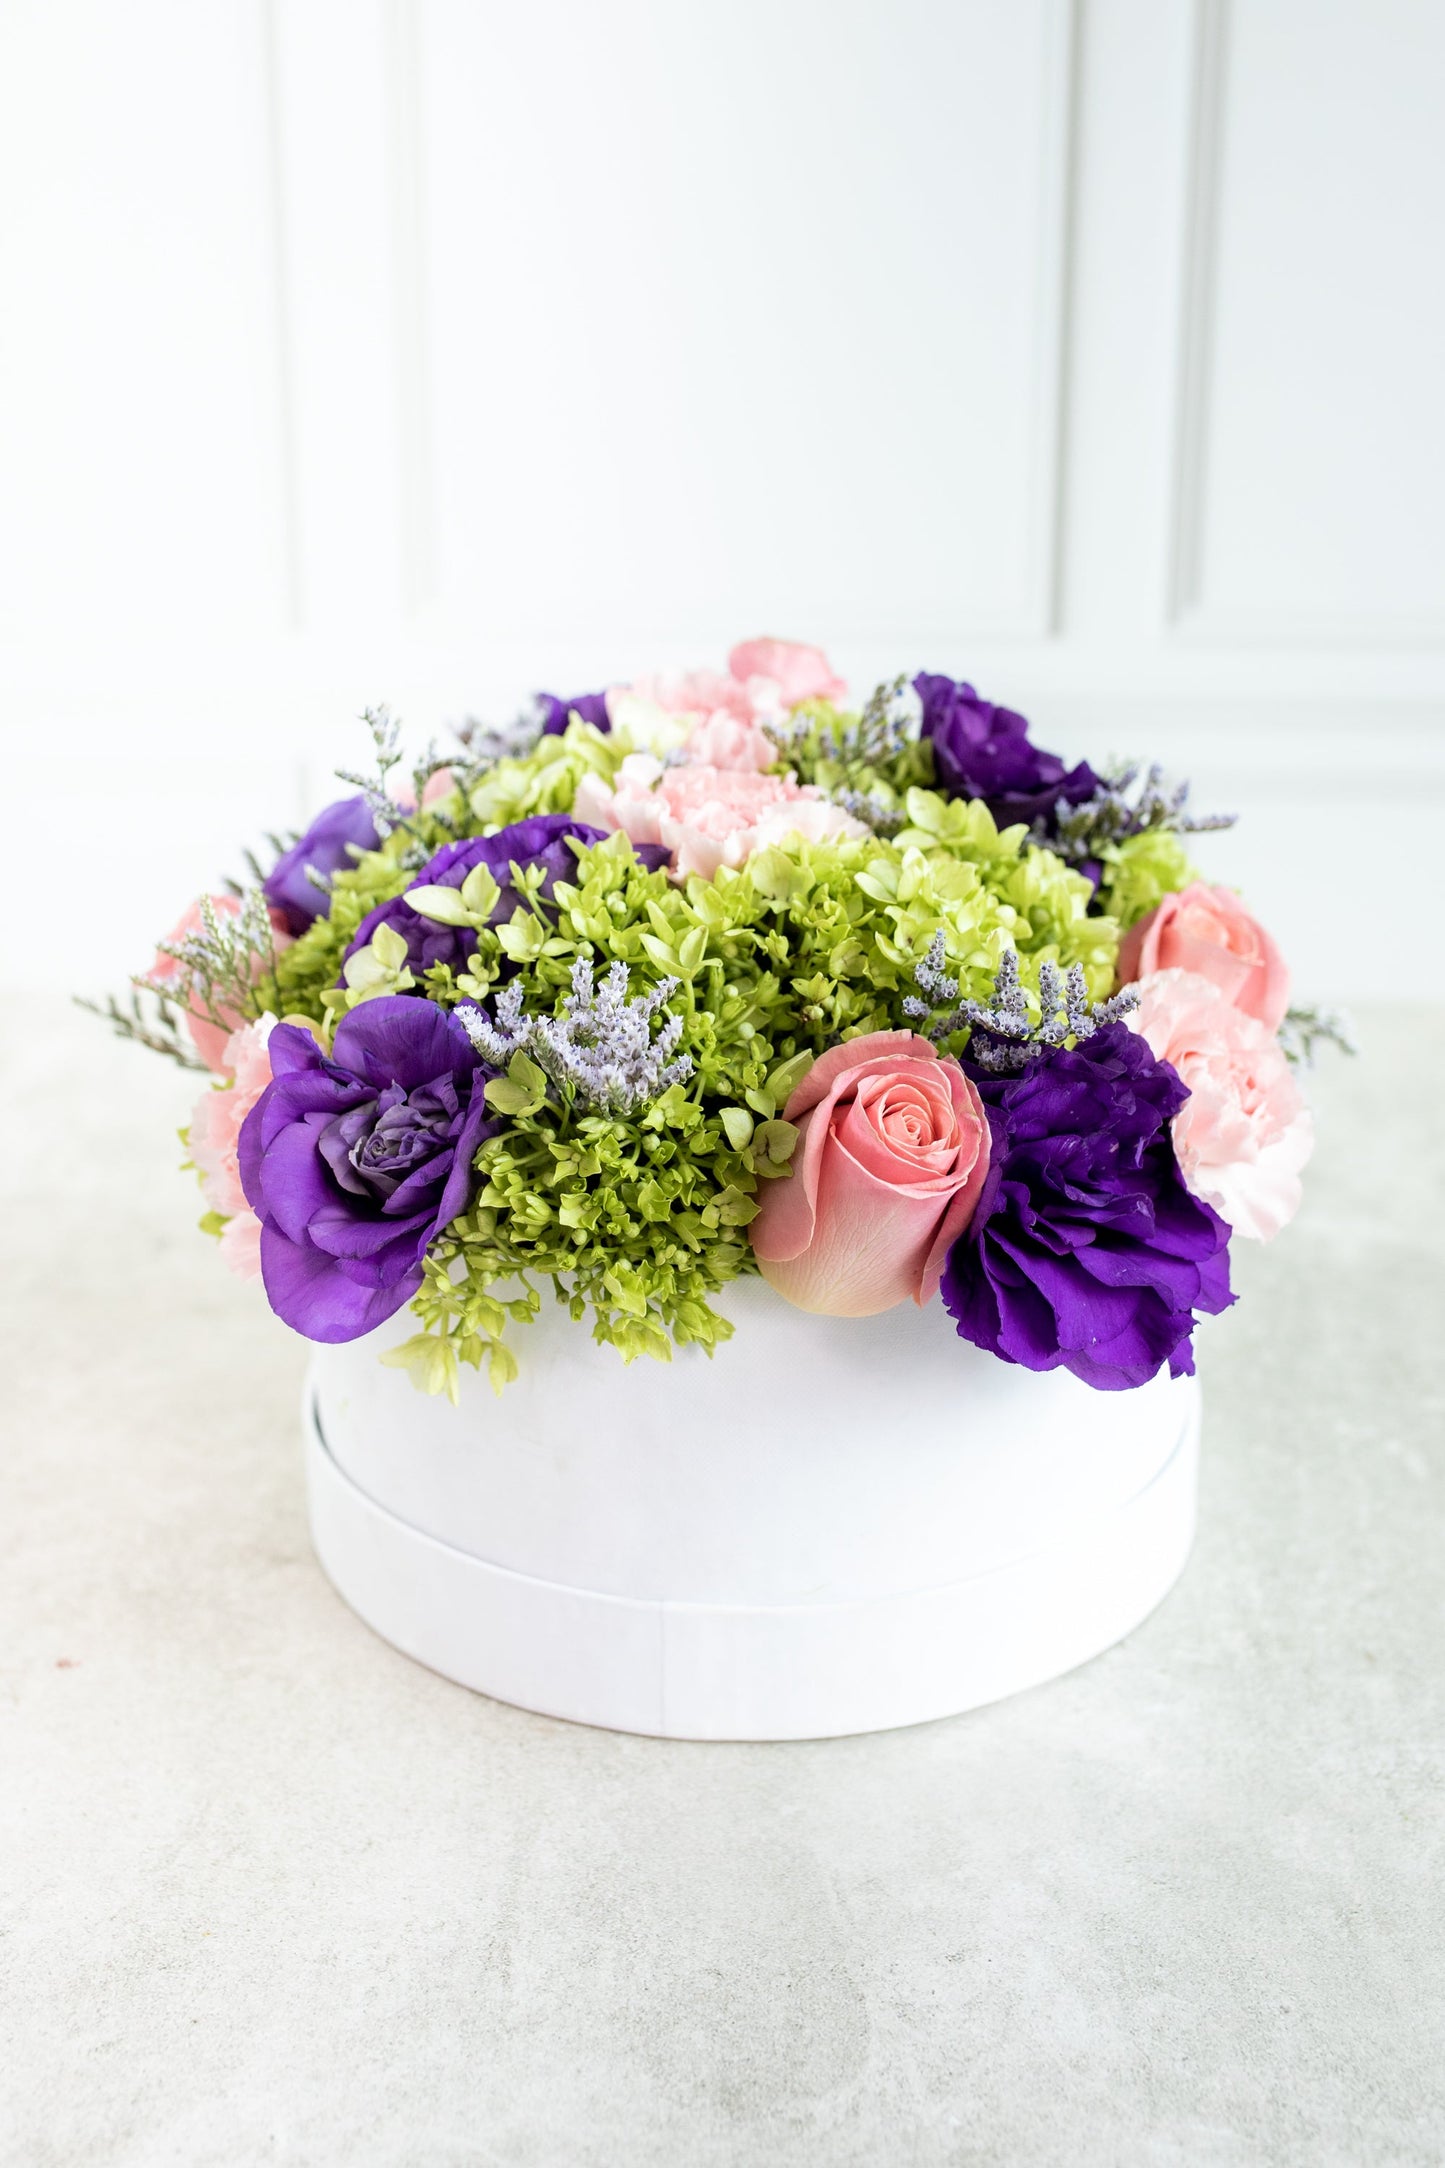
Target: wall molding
column 1059, row 96
column 1194, row 340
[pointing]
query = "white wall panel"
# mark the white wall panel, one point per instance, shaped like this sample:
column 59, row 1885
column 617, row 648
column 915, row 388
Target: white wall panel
column 142, row 485
column 1312, row 502
column 743, row 314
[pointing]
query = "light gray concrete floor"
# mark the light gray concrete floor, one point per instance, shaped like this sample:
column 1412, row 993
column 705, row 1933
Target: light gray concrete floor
column 273, row 1894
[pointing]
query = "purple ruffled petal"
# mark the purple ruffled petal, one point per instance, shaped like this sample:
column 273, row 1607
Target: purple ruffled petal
column 1086, row 1250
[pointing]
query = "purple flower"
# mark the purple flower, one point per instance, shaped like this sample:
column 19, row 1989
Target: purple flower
column 324, row 846
column 539, row 840
column 1086, row 1250
column 592, row 707
column 354, row 1163
column 983, row 751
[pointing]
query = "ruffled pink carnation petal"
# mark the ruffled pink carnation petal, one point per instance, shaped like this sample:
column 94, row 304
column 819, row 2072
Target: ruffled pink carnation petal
column 215, row 1132
column 729, row 741
column 1244, row 1133
column 708, row 817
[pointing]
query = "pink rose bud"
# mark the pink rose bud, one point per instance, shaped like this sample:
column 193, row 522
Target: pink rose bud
column 887, row 1171
column 1208, row 931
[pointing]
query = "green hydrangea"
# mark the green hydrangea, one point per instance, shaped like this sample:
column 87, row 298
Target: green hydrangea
column 638, row 1220
column 1140, row 872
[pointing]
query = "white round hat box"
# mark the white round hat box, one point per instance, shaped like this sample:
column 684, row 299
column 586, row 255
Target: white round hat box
column 833, row 1525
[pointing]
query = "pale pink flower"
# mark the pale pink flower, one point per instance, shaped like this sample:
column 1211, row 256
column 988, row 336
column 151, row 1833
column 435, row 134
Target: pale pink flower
column 764, row 678
column 240, row 1245
column 727, row 741
column 1209, row 931
column 794, row 672
column 891, row 1157
column 708, row 817
column 696, row 693
column 210, row 1038
column 1244, row 1132
column 215, row 1134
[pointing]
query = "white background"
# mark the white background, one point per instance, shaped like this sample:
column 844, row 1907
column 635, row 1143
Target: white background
column 429, row 351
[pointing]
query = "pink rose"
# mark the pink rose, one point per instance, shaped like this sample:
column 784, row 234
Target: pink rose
column 214, row 1138
column 708, row 817
column 798, row 673
column 886, row 1173
column 1244, row 1132
column 1208, row 931
column 210, row 1038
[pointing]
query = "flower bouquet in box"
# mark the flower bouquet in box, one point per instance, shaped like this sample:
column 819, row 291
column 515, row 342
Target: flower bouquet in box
column 915, row 1078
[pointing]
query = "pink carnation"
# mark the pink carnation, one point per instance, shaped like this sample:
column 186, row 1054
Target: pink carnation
column 1244, row 1132
column 214, row 1137
column 764, row 679
column 708, row 817
column 698, row 693
column 210, row 1039
column 728, row 741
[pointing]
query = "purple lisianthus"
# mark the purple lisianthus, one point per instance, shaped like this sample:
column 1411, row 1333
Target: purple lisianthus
column 355, row 1162
column 592, row 707
column 1086, row 1251
column 539, row 840
column 984, row 751
column 325, row 846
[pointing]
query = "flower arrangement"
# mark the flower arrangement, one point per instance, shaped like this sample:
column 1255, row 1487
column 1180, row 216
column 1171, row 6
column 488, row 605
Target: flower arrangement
column 712, row 975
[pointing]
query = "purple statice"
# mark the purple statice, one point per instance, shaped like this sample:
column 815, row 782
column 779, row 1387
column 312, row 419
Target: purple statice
column 1087, row 1252
column 600, row 1051
column 329, row 846
column 355, row 1161
column 558, row 712
column 1081, row 832
column 542, row 839
column 1002, row 1034
column 984, row 751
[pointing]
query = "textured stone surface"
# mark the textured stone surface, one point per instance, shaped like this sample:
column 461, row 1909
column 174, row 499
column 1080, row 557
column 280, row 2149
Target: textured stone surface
column 272, row 1894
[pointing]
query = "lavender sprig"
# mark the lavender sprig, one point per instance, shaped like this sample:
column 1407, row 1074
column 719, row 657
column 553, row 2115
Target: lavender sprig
column 161, row 1032
column 484, row 744
column 386, row 739
column 219, row 963
column 1110, row 817
column 887, row 726
column 1307, row 1028
column 885, row 820
column 600, row 1051
column 1001, row 1035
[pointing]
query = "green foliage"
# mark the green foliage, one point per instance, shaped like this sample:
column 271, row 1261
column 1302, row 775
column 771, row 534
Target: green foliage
column 1139, row 872
column 546, row 779
column 639, row 1220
